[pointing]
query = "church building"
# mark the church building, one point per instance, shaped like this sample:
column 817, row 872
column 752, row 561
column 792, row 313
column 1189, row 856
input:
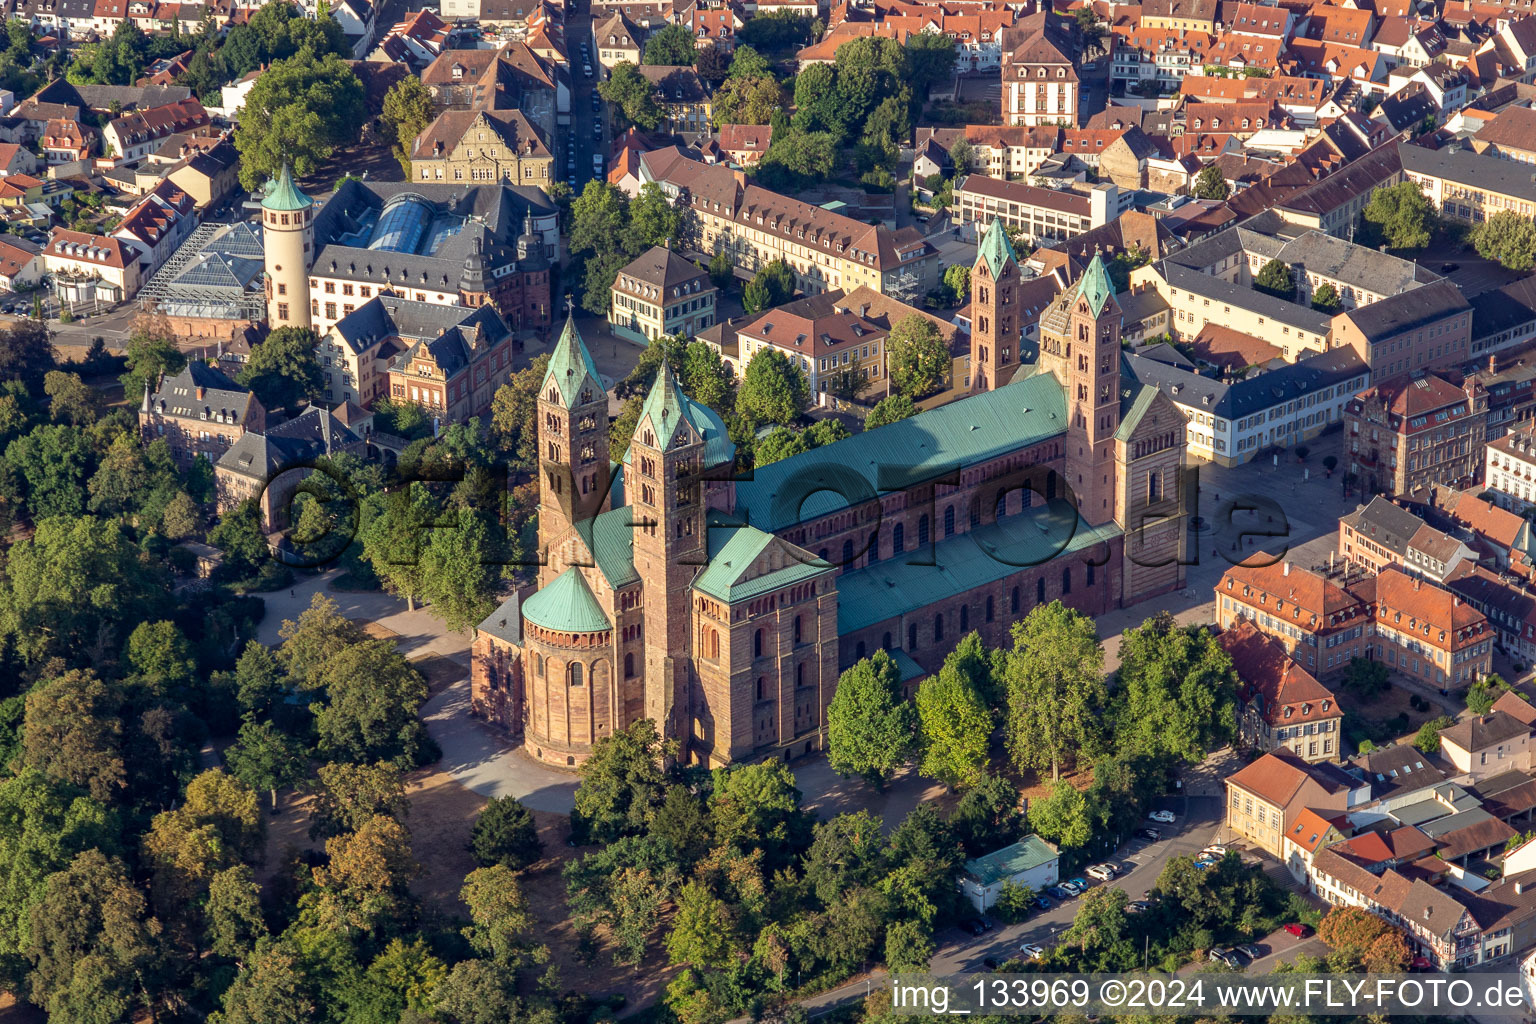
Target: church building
column 723, row 605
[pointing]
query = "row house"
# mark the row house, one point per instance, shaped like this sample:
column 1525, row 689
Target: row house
column 1303, row 100
column 1379, row 534
column 1425, row 631
column 715, row 23
column 1508, row 603
column 1281, row 706
column 1411, row 41
column 825, row 250
column 823, row 337
column 1413, row 332
column 1318, row 622
column 1037, row 215
column 1335, row 62
column 1509, row 470
column 139, row 133
column 1501, row 538
column 158, row 224
column 1264, row 798
column 1409, row 435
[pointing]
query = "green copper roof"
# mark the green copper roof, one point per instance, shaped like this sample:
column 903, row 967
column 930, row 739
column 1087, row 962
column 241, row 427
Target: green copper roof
column 1134, row 403
column 1095, row 286
column 719, row 449
column 666, row 407
column 733, row 548
column 988, row 554
column 567, row 604
column 284, row 196
column 996, row 249
column 571, row 365
column 610, row 536
column 902, row 454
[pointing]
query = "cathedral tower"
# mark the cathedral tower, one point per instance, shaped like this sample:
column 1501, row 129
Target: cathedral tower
column 663, row 487
column 288, row 242
column 574, row 471
column 1080, row 345
column 994, row 310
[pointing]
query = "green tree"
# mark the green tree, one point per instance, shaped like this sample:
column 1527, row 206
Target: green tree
column 987, row 816
column 499, row 914
column 182, row 517
column 1326, row 299
column 621, row 784
column 92, row 947
column 149, row 357
column 458, row 571
column 1210, row 183
column 918, row 358
column 890, row 409
column 908, row 946
column 1402, row 215
column 1428, row 737
column 363, row 886
column 239, row 536
column 272, row 989
column 71, row 398
column 773, row 390
column 699, row 928
column 53, row 460
column 1062, row 817
column 514, row 413
column 218, row 826
column 393, row 539
column 871, row 728
column 746, row 62
column 350, row 794
column 1365, row 677
column 265, row 758
column 407, row 113
column 283, row 370
column 744, row 100
column 71, row 733
column 653, row 220
column 1276, row 278
column 957, row 281
column 955, row 727
column 706, row 378
column 26, row 355
column 1054, row 677
column 1014, row 901
column 1179, row 692
column 372, row 697
column 1508, row 238
column 505, row 833
column 772, row 286
column 1482, row 694
column 632, row 94
column 233, row 912
column 673, row 45
column 930, row 59
column 299, row 112
column 721, row 274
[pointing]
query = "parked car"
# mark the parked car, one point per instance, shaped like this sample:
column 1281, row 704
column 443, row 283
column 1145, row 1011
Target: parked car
column 1250, row 951
column 1216, row 850
column 1070, row 888
column 1151, row 835
column 586, row 69
column 991, row 963
column 1080, row 884
column 1032, row 951
column 1137, row 906
column 1060, row 892
column 1103, row 872
column 1297, row 929
column 1043, row 903
column 974, row 925
column 1227, row 956
column 597, row 163
column 597, row 102
column 1165, row 817
column 1206, row 858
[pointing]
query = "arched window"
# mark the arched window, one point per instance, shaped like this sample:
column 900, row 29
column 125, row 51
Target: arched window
column 762, row 687
column 1040, row 590
column 965, row 617
column 714, row 643
column 538, row 665
column 874, row 547
column 1066, row 580
column 847, row 553
column 858, row 651
column 975, row 512
column 1089, row 571
column 938, row 627
column 797, row 629
column 1000, row 509
column 1154, row 487
column 757, row 644
column 922, row 531
column 1050, row 486
column 989, row 608
column 899, row 539
column 1013, row 601
column 949, row 521
column 912, row 637
column 800, row 674
column 576, row 679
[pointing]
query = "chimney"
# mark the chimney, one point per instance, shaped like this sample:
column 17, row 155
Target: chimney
column 200, row 394
column 1519, row 888
column 1416, row 582
column 1286, row 571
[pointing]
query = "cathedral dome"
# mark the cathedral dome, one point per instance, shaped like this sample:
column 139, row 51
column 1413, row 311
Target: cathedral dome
column 567, row 605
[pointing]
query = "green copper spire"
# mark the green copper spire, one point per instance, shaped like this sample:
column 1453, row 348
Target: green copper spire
column 1095, row 287
column 284, row 196
column 666, row 407
column 571, row 366
column 566, row 605
column 996, row 249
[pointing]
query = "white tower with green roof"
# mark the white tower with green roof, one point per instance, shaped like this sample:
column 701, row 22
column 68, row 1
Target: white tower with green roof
column 574, row 467
column 288, row 242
